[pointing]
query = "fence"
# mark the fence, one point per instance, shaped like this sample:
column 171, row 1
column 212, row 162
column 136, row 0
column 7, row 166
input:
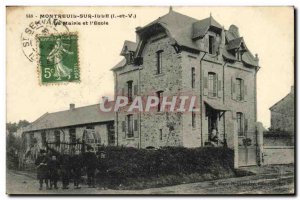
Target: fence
column 71, row 147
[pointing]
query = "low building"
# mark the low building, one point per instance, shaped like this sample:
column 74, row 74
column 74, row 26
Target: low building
column 282, row 114
column 66, row 130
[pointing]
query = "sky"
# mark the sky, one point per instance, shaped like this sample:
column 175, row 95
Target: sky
column 267, row 31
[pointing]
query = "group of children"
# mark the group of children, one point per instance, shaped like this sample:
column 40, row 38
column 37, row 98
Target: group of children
column 54, row 167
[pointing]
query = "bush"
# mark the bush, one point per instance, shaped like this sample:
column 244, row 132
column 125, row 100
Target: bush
column 123, row 165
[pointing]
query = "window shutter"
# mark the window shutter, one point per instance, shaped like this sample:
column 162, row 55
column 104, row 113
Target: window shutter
column 214, row 46
column 135, row 90
column 233, row 94
column 135, row 128
column 135, row 125
column 245, row 90
column 206, row 41
column 220, row 89
column 245, row 124
column 205, row 82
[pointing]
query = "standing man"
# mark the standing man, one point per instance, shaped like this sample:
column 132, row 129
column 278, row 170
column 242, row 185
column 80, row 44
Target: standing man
column 65, row 170
column 53, row 166
column 91, row 165
column 42, row 169
column 76, row 164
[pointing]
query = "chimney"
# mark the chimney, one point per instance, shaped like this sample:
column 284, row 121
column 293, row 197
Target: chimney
column 72, row 106
column 234, row 29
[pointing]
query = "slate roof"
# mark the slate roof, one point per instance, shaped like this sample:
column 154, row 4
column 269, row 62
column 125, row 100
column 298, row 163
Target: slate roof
column 234, row 43
column 131, row 46
column 120, row 64
column 184, row 30
column 77, row 116
column 179, row 26
column 202, row 26
column 285, row 105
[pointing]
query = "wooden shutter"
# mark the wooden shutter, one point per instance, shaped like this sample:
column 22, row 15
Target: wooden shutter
column 245, row 124
column 214, row 45
column 245, row 90
column 135, row 128
column 205, row 82
column 135, row 125
column 206, row 41
column 233, row 93
column 135, row 90
column 220, row 89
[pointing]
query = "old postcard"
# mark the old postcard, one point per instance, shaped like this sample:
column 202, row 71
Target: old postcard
column 150, row 100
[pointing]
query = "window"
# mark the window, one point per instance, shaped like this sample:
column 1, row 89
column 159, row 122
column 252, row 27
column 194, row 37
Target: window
column 159, row 61
column 239, row 89
column 129, row 89
column 239, row 117
column 212, row 84
column 193, row 118
column 238, row 55
column 160, row 134
column 130, row 126
column 193, row 77
column 159, row 96
column 57, row 137
column 72, row 133
column 211, row 40
column 44, row 138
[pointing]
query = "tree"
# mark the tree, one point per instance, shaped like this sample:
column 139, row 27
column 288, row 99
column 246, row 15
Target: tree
column 13, row 143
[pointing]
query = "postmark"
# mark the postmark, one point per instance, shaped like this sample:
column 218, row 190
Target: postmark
column 39, row 27
column 58, row 60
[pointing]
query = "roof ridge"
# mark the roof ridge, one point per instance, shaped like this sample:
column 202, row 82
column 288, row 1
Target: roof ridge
column 76, row 108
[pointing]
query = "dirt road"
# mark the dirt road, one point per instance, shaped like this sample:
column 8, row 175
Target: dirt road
column 264, row 182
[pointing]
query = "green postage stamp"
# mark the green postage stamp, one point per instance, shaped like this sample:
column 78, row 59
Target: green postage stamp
column 58, row 58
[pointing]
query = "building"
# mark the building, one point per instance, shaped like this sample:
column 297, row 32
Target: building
column 282, row 114
column 174, row 55
column 177, row 54
column 65, row 130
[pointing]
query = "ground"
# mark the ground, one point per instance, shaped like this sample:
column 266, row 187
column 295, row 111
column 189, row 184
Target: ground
column 273, row 179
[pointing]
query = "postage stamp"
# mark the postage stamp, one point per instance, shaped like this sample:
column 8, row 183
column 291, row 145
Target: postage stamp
column 58, row 58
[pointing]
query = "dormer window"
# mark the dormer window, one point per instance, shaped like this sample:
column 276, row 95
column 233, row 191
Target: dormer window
column 238, row 55
column 211, row 41
column 129, row 57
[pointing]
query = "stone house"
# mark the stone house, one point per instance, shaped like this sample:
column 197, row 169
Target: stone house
column 177, row 54
column 282, row 113
column 60, row 129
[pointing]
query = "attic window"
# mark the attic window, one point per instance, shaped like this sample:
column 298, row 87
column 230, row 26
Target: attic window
column 238, row 55
column 211, row 40
column 129, row 57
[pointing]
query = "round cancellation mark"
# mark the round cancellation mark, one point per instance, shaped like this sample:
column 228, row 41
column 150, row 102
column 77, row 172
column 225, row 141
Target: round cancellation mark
column 39, row 27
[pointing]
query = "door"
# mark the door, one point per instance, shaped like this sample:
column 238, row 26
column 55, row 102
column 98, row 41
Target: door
column 212, row 122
